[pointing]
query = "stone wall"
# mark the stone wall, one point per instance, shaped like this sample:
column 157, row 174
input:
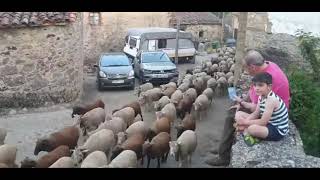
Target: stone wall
column 210, row 32
column 109, row 35
column 40, row 65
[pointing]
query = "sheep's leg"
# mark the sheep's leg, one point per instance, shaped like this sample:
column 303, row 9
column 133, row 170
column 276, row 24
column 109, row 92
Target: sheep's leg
column 149, row 158
column 180, row 164
column 142, row 160
column 158, row 166
column 141, row 117
column 166, row 158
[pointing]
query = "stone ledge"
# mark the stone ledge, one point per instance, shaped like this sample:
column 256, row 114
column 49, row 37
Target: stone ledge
column 285, row 153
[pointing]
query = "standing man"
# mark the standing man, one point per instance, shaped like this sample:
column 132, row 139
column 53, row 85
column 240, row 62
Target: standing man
column 254, row 63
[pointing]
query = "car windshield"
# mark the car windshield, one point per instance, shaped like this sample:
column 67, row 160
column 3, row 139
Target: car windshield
column 114, row 60
column 155, row 57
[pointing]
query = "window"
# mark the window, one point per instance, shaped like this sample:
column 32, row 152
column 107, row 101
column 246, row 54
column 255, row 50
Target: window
column 201, row 34
column 95, row 18
column 132, row 42
column 162, row 43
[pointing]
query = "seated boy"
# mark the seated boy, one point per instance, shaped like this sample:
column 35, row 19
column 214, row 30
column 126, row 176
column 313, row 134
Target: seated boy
column 270, row 119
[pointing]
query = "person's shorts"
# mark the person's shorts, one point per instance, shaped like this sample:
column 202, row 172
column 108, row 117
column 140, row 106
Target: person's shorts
column 273, row 134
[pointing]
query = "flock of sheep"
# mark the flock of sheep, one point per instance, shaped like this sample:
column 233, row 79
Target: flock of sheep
column 120, row 140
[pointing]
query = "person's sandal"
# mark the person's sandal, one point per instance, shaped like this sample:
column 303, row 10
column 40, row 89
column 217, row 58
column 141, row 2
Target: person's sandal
column 250, row 140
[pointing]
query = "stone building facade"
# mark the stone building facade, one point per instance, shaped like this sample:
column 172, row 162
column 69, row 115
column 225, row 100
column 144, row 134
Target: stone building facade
column 205, row 26
column 105, row 31
column 40, row 58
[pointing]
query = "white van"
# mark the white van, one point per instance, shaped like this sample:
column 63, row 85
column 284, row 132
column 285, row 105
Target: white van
column 153, row 39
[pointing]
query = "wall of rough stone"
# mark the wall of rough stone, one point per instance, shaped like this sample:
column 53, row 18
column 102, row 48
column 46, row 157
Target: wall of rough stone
column 210, row 32
column 40, row 65
column 109, row 35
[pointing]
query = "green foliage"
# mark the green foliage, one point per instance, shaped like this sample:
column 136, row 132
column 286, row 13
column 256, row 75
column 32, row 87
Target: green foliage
column 305, row 94
column 310, row 49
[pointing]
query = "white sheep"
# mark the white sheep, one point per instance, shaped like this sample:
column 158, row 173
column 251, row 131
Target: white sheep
column 64, row 162
column 144, row 87
column 147, row 97
column 92, row 119
column 192, row 93
column 3, row 134
column 116, row 124
column 103, row 140
column 212, row 83
column 127, row 114
column 176, row 97
column 170, row 84
column 201, row 105
column 164, row 100
column 8, row 155
column 170, row 112
column 126, row 159
column 184, row 86
column 209, row 93
column 94, row 160
column 137, row 127
column 184, row 147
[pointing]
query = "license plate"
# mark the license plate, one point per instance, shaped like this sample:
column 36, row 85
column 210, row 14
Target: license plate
column 160, row 75
column 118, row 81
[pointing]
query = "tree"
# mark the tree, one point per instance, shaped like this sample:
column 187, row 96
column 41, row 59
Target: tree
column 241, row 42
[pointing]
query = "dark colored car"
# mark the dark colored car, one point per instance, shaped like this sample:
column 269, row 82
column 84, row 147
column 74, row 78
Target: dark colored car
column 115, row 70
column 154, row 67
column 231, row 43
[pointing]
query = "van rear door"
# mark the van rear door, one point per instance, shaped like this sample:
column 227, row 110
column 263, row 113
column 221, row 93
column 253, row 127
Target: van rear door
column 132, row 47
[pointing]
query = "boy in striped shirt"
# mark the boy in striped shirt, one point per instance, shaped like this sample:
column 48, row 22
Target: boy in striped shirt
column 270, row 120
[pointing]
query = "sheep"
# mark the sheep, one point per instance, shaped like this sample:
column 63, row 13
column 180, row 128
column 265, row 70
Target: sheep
column 81, row 110
column 137, row 127
column 126, row 159
column 176, row 97
column 184, row 86
column 94, row 160
column 209, row 93
column 198, row 84
column 63, row 162
column 232, row 68
column 228, row 75
column 149, row 96
column 3, row 134
column 214, row 68
column 192, row 93
column 189, row 71
column 185, row 105
column 133, row 143
column 169, row 91
column 92, row 119
column 184, row 147
column 162, row 124
column 136, row 107
column 127, row 114
column 169, row 85
column 206, row 79
column 116, row 124
column 8, row 155
column 67, row 136
column 103, row 140
column 222, row 84
column 212, row 83
column 201, row 104
column 48, row 159
column 188, row 123
column 2, row 165
column 144, row 87
column 157, row 148
column 169, row 111
column 121, row 137
column 230, row 81
column 161, row 103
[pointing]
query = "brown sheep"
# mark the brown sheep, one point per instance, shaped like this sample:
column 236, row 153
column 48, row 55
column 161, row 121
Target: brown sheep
column 67, row 136
column 188, row 123
column 48, row 159
column 162, row 124
column 136, row 107
column 157, row 148
column 81, row 110
column 133, row 143
column 185, row 105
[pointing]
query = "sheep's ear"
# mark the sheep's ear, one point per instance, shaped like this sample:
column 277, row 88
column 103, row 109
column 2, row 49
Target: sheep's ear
column 178, row 143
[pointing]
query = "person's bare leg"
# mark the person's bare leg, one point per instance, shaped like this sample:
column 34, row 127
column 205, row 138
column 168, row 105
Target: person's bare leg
column 258, row 131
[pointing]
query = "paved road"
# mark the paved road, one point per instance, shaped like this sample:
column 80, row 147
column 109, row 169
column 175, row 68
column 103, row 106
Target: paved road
column 24, row 129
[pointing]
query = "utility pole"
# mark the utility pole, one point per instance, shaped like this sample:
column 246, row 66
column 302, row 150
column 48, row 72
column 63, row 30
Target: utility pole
column 177, row 41
column 222, row 29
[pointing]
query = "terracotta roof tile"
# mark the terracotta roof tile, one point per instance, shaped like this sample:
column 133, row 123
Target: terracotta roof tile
column 194, row 18
column 27, row 19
